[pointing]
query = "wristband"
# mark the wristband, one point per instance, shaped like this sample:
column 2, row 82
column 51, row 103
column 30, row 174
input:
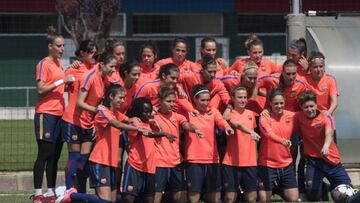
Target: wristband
column 58, row 82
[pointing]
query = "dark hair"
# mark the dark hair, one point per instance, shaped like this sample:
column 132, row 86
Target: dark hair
column 314, row 55
column 288, row 62
column 305, row 96
column 150, row 45
column 111, row 44
column 165, row 91
column 299, row 45
column 128, row 66
column 52, row 35
column 137, row 107
column 237, row 88
column 207, row 60
column 252, row 40
column 106, row 58
column 276, row 92
column 112, row 90
column 167, row 69
column 197, row 88
column 179, row 40
column 206, row 40
column 85, row 46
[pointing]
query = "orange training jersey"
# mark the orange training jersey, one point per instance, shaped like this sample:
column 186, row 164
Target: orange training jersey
column 51, row 102
column 241, row 149
column 150, row 91
column 106, row 145
column 168, row 153
column 291, row 93
column 73, row 90
column 204, row 150
column 266, row 67
column 274, row 130
column 91, row 82
column 184, row 66
column 142, row 150
column 313, row 133
column 189, row 79
column 148, row 74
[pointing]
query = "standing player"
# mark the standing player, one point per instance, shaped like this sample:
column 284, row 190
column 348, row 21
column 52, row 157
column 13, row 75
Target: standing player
column 50, row 80
column 275, row 160
column 297, row 51
column 103, row 159
column 148, row 56
column 208, row 46
column 239, row 163
column 87, row 105
column 255, row 50
column 203, row 173
column 179, row 50
column 70, row 132
column 117, row 48
column 139, row 177
column 323, row 158
column 169, row 176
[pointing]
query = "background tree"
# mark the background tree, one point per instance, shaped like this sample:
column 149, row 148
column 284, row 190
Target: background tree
column 87, row 19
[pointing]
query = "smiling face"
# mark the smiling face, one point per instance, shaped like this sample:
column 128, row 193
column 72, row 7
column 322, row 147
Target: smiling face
column 209, row 48
column 209, row 73
column 179, row 52
column 117, row 100
column 134, row 74
column 293, row 54
column 202, row 101
column 109, row 68
column 256, row 53
column 167, row 104
column 56, row 49
column 289, row 74
column 317, row 68
column 146, row 113
column 171, row 79
column 88, row 57
column 239, row 99
column 277, row 104
column 249, row 78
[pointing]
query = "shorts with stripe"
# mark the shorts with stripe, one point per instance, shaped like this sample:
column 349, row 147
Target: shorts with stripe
column 47, row 127
column 138, row 183
column 101, row 175
column 74, row 134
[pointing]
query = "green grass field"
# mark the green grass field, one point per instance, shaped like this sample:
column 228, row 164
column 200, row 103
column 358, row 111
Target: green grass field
column 18, row 147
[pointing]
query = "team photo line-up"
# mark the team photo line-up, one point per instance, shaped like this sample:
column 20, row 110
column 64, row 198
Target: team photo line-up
column 192, row 131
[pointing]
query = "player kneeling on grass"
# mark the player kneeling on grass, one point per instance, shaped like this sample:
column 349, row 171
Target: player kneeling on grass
column 104, row 157
column 323, row 159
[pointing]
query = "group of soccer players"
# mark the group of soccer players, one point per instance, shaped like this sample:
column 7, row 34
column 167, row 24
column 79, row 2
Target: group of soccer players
column 192, row 131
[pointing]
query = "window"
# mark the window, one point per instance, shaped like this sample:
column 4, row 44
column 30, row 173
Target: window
column 118, row 26
column 29, row 24
column 177, row 24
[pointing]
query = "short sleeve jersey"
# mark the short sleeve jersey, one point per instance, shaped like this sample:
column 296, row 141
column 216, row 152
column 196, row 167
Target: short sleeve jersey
column 168, row 153
column 274, row 130
column 204, row 150
column 106, row 147
column 186, row 65
column 313, row 134
column 241, row 150
column 91, row 82
column 51, row 102
column 266, row 67
column 142, row 150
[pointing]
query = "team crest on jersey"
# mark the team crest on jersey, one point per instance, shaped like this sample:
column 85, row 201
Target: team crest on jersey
column 317, row 126
column 74, row 137
column 324, row 88
column 293, row 94
column 47, row 135
column 287, row 120
column 130, row 188
column 103, row 180
column 249, row 117
column 173, row 120
column 263, row 68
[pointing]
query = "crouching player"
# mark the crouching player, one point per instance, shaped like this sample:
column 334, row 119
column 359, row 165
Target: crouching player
column 104, row 158
column 323, row 159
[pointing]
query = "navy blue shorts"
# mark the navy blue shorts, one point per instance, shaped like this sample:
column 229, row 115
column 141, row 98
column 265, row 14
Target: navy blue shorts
column 317, row 169
column 47, row 127
column 170, row 179
column 101, row 175
column 203, row 177
column 138, row 183
column 295, row 140
column 74, row 134
column 235, row 177
column 284, row 177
